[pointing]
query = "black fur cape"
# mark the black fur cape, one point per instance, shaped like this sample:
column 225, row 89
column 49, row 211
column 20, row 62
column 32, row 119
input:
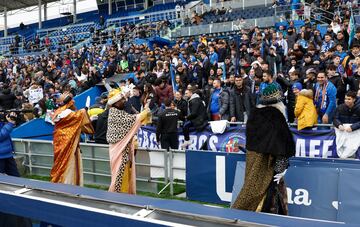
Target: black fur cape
column 267, row 132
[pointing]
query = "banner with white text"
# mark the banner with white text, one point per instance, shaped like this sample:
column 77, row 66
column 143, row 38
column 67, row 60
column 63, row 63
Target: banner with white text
column 309, row 143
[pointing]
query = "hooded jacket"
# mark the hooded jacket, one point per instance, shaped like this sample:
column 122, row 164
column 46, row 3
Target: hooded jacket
column 197, row 112
column 305, row 110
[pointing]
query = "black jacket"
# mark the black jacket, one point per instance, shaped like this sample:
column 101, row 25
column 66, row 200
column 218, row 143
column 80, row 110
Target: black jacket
column 101, row 127
column 240, row 102
column 182, row 106
column 340, row 87
column 167, row 122
column 195, row 75
column 345, row 115
column 206, row 93
column 197, row 114
column 286, row 85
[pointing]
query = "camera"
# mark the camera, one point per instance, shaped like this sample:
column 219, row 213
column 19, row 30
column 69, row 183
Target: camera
column 19, row 115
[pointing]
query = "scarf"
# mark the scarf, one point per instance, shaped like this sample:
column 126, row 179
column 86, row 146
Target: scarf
column 323, row 91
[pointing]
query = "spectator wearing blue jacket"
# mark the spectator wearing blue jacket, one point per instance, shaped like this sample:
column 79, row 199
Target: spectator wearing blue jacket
column 7, row 161
column 214, row 58
column 218, row 108
column 325, row 98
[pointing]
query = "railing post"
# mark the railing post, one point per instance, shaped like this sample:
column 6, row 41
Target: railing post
column 93, row 163
column 28, row 150
column 171, row 162
column 166, row 169
column 275, row 12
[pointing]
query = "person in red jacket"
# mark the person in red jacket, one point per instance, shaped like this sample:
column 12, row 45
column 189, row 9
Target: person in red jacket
column 163, row 90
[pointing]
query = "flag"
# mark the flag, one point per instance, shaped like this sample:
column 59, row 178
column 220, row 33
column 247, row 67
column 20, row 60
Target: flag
column 172, row 75
column 351, row 28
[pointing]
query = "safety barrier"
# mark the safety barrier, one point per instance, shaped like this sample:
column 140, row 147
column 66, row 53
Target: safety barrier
column 153, row 165
column 147, row 17
column 222, row 27
column 239, row 3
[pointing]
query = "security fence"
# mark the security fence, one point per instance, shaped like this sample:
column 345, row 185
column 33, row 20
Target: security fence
column 153, row 165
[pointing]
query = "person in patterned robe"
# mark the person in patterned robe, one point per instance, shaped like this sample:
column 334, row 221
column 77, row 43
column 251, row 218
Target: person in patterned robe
column 267, row 156
column 69, row 124
column 122, row 128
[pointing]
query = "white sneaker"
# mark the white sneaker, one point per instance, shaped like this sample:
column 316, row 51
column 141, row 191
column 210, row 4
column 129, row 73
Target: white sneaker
column 186, row 143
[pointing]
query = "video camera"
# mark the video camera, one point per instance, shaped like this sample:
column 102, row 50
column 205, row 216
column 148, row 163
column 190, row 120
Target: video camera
column 19, row 114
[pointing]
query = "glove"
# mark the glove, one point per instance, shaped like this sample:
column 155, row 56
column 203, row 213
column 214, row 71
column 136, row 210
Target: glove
column 87, row 104
column 278, row 176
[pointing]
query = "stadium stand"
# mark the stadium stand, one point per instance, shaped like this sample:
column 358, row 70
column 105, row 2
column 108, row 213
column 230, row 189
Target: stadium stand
column 173, row 46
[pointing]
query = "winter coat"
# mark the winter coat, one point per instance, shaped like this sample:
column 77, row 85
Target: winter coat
column 162, row 94
column 240, row 102
column 101, row 127
column 330, row 104
column 340, row 88
column 195, row 75
column 345, row 115
column 305, row 110
column 197, row 112
column 6, row 146
column 182, row 106
column 206, row 93
column 224, row 100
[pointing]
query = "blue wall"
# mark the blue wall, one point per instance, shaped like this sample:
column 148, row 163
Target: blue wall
column 317, row 188
column 39, row 129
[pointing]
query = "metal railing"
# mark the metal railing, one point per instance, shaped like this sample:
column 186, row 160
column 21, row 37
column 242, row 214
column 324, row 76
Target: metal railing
column 164, row 165
column 222, row 27
column 131, row 6
column 48, row 31
column 239, row 3
column 147, row 17
column 160, row 2
column 303, row 11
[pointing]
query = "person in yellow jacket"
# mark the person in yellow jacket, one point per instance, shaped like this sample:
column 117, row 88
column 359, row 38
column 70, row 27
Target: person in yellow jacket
column 305, row 110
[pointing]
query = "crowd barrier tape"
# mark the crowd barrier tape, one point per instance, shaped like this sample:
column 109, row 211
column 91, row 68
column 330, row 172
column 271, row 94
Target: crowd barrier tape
column 317, row 188
column 309, row 143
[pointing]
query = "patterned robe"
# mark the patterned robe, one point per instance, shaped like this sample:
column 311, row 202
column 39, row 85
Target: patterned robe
column 67, row 168
column 267, row 154
column 122, row 128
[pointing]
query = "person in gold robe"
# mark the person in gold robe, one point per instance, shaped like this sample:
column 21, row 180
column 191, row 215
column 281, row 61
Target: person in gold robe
column 69, row 124
column 121, row 136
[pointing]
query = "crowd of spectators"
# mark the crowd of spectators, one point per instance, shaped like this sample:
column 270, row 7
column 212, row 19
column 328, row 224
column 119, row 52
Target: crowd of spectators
column 228, row 76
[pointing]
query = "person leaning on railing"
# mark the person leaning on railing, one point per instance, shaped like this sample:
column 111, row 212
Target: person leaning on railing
column 348, row 113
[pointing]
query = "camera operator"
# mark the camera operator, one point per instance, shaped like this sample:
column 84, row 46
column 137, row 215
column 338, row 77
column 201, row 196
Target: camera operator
column 7, row 161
